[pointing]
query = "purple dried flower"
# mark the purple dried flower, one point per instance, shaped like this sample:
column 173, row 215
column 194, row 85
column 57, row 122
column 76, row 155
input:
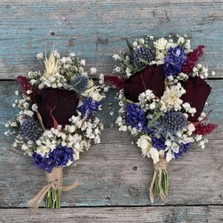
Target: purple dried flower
column 58, row 157
column 174, row 61
column 136, row 117
column 89, row 106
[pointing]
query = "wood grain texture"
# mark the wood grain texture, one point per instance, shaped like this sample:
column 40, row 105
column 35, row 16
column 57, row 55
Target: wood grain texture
column 211, row 214
column 115, row 176
column 114, row 173
column 97, row 29
column 7, row 97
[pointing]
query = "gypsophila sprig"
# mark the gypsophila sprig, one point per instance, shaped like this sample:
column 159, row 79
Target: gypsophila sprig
column 162, row 96
column 57, row 117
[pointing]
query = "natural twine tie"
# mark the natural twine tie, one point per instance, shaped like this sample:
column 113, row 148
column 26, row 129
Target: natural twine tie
column 55, row 180
column 159, row 167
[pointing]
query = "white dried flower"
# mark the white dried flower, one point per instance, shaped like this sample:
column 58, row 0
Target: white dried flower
column 116, row 57
column 93, row 70
column 39, row 56
column 83, row 62
column 72, row 54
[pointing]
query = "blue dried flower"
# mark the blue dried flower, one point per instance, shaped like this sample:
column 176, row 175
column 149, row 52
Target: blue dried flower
column 61, row 155
column 58, row 157
column 79, row 83
column 172, row 121
column 89, row 106
column 182, row 149
column 158, row 143
column 30, row 129
column 143, row 53
column 174, row 61
column 136, row 117
column 43, row 162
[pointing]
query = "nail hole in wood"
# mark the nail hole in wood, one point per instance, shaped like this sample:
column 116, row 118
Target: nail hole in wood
column 135, row 168
column 107, row 198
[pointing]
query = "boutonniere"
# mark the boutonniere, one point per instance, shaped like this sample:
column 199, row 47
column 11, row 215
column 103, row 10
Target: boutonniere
column 162, row 97
column 57, row 119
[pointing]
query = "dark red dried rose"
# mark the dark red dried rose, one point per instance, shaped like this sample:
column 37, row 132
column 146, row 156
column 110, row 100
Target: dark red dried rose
column 152, row 77
column 197, row 92
column 56, row 106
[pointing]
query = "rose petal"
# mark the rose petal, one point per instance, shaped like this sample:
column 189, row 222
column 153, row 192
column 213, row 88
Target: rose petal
column 152, row 77
column 197, row 92
column 62, row 104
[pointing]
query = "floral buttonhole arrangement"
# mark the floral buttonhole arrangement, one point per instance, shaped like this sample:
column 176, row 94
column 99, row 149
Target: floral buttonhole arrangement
column 57, row 119
column 162, row 96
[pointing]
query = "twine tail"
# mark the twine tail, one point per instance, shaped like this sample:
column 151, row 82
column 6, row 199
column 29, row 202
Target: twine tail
column 160, row 183
column 71, row 187
column 35, row 201
column 151, row 194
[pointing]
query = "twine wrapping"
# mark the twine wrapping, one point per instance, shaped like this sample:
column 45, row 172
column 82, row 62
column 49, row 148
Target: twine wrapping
column 159, row 167
column 55, row 180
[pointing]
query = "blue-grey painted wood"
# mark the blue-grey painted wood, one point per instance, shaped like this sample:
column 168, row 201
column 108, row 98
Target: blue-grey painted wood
column 114, row 172
column 97, row 29
column 110, row 105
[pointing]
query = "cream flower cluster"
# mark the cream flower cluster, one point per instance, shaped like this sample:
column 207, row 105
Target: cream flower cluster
column 58, row 71
column 82, row 131
column 78, row 136
column 125, row 64
column 155, row 107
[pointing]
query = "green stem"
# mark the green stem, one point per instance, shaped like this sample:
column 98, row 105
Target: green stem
column 158, row 115
column 165, row 181
column 53, row 199
column 164, row 184
column 156, row 186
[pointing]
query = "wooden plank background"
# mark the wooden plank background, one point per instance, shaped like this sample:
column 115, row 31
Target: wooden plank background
column 114, row 174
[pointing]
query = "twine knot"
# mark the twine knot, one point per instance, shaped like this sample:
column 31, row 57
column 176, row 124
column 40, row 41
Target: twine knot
column 55, row 181
column 161, row 165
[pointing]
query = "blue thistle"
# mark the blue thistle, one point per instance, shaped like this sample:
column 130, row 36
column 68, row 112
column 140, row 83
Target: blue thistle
column 30, row 129
column 58, row 157
column 173, row 121
column 79, row 83
column 144, row 54
column 136, row 117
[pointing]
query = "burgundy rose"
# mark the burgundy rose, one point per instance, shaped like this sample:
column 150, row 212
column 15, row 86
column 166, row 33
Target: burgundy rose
column 152, row 77
column 56, row 106
column 197, row 92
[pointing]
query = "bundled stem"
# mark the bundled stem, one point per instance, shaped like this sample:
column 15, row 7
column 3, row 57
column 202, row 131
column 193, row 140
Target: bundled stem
column 53, row 198
column 52, row 191
column 160, row 182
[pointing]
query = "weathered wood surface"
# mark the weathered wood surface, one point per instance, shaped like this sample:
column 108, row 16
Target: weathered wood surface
column 211, row 214
column 95, row 29
column 114, row 173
